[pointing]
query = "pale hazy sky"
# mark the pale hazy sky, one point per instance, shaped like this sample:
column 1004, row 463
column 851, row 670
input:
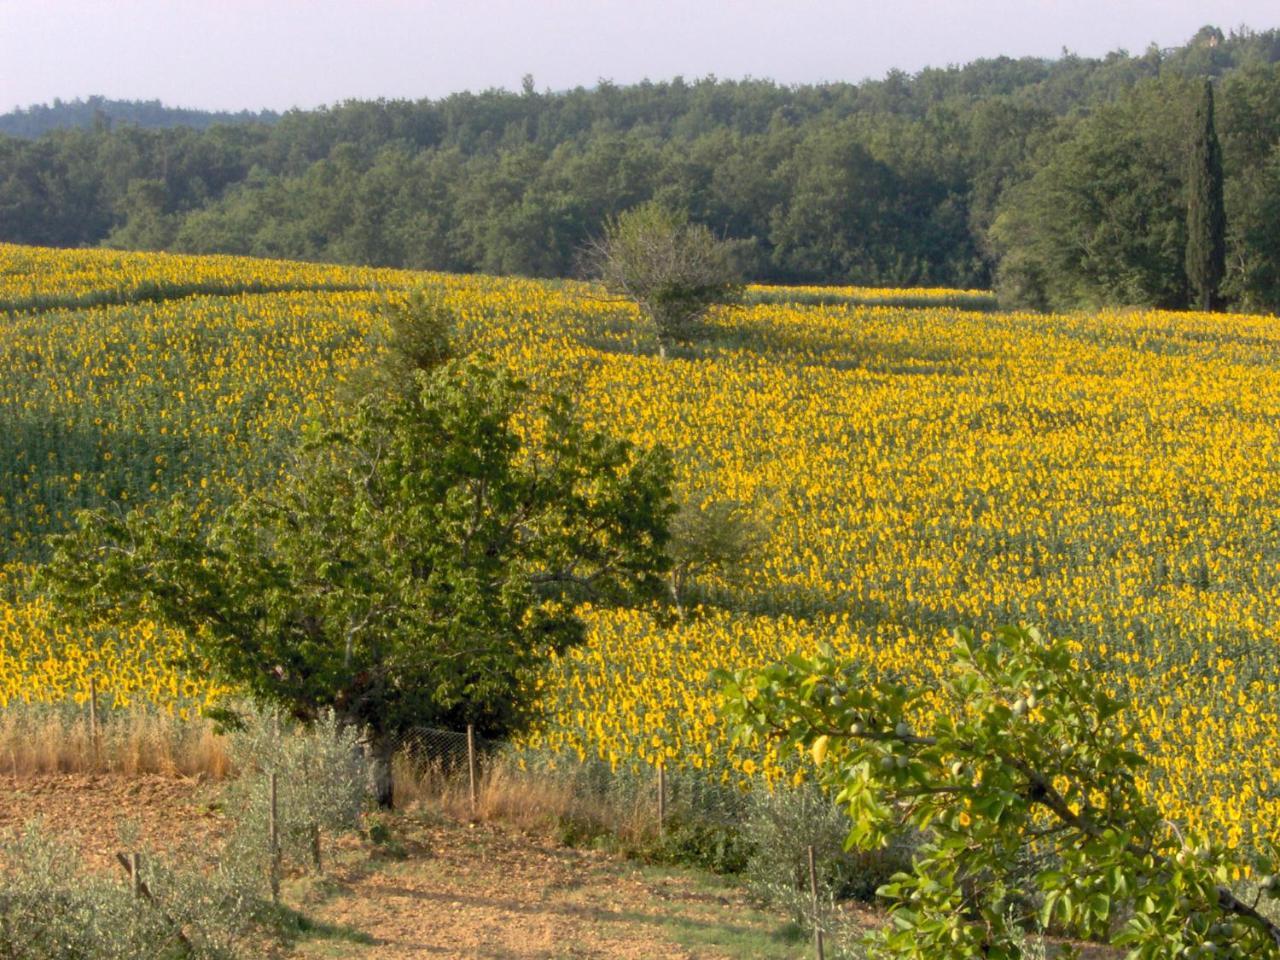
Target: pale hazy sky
column 234, row 54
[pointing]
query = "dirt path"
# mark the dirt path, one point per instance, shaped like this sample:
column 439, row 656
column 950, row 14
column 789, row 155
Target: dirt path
column 439, row 889
column 477, row 892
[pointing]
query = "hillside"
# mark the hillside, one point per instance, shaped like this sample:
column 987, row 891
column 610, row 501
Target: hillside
column 102, row 113
column 904, row 180
column 1112, row 477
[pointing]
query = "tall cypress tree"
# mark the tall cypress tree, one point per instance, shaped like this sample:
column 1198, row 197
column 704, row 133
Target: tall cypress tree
column 1206, row 216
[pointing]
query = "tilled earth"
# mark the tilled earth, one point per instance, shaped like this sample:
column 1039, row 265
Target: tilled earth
column 441, row 889
column 90, row 812
column 438, row 889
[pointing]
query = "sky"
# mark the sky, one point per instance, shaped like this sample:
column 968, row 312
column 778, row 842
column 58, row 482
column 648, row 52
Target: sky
column 279, row 54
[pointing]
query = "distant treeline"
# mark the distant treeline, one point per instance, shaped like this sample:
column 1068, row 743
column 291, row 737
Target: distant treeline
column 1061, row 182
column 98, row 113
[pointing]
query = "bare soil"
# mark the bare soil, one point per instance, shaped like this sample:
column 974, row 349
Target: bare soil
column 90, row 811
column 436, row 888
column 484, row 891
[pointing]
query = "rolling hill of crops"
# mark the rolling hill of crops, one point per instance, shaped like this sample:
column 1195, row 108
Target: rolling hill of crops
column 1114, row 477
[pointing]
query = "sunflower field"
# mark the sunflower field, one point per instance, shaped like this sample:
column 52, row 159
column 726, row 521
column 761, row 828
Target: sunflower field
column 916, row 459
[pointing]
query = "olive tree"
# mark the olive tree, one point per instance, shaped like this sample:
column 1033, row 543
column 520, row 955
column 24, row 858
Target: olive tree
column 1018, row 748
column 672, row 269
column 416, row 565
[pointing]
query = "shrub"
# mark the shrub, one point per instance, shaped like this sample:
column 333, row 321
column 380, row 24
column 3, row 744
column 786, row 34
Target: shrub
column 50, row 909
column 674, row 270
column 321, row 781
column 784, row 823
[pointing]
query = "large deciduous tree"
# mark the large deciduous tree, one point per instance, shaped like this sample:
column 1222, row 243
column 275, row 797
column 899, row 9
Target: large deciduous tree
column 416, row 565
column 1102, row 221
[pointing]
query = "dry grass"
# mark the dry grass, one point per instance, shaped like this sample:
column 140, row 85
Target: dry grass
column 41, row 740
column 541, row 801
column 45, row 740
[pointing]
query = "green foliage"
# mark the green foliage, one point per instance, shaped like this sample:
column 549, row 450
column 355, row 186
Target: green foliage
column 1100, row 215
column 705, row 842
column 100, row 113
column 894, row 181
column 1102, row 221
column 1024, row 750
column 709, row 536
column 321, row 782
column 147, row 225
column 418, row 333
column 616, row 809
column 208, row 905
column 1206, row 217
column 51, row 909
column 783, row 822
column 674, row 270
column 414, row 568
column 1253, row 280
column 1247, row 115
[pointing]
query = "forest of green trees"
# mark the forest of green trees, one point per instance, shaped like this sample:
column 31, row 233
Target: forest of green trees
column 98, row 112
column 1060, row 182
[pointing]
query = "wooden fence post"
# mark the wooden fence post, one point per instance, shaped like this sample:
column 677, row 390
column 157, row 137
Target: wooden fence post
column 273, row 839
column 662, row 797
column 93, row 717
column 813, row 891
column 315, row 847
column 132, row 865
column 471, row 766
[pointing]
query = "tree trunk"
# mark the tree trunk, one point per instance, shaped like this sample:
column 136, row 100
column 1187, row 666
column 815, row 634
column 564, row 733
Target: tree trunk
column 378, row 750
column 675, row 585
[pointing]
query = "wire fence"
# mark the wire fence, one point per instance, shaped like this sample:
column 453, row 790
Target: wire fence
column 691, row 813
column 432, row 746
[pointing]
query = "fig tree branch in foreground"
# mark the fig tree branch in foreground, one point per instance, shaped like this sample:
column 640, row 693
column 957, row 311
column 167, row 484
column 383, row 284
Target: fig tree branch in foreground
column 1017, row 750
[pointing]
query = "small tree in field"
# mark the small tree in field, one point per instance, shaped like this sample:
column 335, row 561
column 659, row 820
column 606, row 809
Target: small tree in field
column 416, row 566
column 674, row 270
column 708, row 536
column 1021, row 750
